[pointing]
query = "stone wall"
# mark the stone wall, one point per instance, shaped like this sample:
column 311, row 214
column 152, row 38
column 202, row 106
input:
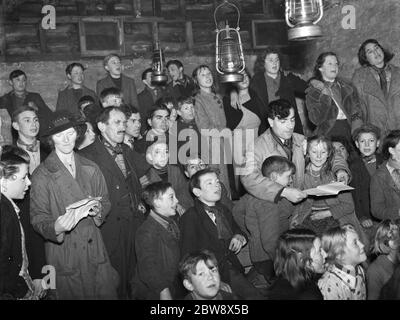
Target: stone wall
column 374, row 19
column 49, row 77
column 378, row 19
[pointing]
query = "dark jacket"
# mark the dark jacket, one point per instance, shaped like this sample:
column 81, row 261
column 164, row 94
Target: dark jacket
column 385, row 196
column 290, row 87
column 185, row 88
column 198, row 232
column 361, row 181
column 158, row 258
column 146, row 101
column 124, row 218
column 44, row 113
column 67, row 100
column 178, row 182
column 11, row 283
column 283, row 290
column 128, row 89
column 322, row 110
column 255, row 105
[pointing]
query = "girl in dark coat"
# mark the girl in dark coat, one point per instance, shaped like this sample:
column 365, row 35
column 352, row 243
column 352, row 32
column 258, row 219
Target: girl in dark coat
column 299, row 260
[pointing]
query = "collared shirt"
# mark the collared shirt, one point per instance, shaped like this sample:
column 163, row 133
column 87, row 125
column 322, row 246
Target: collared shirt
column 34, row 157
column 343, row 283
column 212, row 216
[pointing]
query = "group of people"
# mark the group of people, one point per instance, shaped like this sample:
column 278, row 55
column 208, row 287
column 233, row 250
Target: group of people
column 192, row 190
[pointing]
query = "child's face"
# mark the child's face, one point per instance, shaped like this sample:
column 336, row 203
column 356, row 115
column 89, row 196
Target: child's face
column 194, row 165
column 114, row 67
column 340, row 150
column 210, row 188
column 175, row 73
column 159, row 155
column 76, row 75
column 317, row 255
column 353, row 252
column 284, row 179
column 206, row 282
column 19, row 83
column 186, row 112
column 367, row 144
column 133, row 125
column 166, row 203
column 27, row 124
column 112, row 100
column 205, row 78
column 318, row 153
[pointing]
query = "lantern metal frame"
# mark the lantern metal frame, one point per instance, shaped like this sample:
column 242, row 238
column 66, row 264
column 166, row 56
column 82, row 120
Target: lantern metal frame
column 234, row 76
column 304, row 30
column 160, row 77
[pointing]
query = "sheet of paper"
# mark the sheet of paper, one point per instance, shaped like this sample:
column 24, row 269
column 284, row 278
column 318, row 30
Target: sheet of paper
column 328, row 189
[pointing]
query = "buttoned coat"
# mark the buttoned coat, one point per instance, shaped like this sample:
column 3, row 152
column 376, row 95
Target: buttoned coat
column 81, row 262
column 124, row 218
column 383, row 112
column 384, row 195
column 322, row 110
column 158, row 259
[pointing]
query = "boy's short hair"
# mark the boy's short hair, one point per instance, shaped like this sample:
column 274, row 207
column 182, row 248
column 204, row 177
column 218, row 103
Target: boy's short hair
column 279, row 109
column 175, row 62
column 128, row 110
column 189, row 262
column 108, row 57
column 145, row 72
column 72, row 65
column 195, row 179
column 333, row 242
column 21, row 109
column 16, row 74
column 85, row 100
column 191, row 158
column 154, row 191
column 108, row 92
column 184, row 100
column 277, row 164
column 155, row 108
column 366, row 128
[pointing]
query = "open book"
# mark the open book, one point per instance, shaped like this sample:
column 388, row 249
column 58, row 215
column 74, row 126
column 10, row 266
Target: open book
column 329, row 189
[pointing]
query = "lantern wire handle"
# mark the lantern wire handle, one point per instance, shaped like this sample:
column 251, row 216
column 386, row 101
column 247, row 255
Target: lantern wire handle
column 226, row 3
column 321, row 12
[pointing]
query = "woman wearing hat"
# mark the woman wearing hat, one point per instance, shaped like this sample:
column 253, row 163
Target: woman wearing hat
column 74, row 245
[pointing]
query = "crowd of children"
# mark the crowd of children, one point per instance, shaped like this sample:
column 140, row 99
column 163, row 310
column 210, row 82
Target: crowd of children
column 131, row 199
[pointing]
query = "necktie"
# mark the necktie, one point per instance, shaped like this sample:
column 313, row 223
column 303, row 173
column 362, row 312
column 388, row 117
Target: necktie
column 222, row 224
column 382, row 78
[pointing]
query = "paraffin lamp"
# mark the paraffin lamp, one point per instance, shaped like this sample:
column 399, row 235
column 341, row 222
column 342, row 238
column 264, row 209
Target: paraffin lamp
column 229, row 59
column 302, row 17
column 158, row 75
